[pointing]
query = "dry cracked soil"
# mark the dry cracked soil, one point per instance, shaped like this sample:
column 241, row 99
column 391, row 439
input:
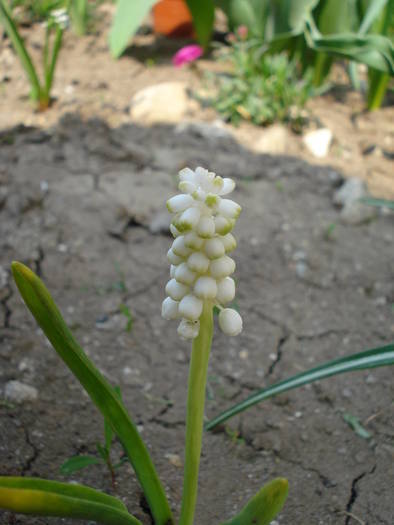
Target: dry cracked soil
column 82, row 204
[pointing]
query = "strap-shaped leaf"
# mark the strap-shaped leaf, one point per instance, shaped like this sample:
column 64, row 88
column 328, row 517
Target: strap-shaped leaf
column 264, row 506
column 382, row 356
column 51, row 498
column 128, row 17
column 203, row 14
column 47, row 315
column 78, row 463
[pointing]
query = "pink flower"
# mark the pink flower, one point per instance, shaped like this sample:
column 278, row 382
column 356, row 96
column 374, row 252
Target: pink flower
column 242, row 32
column 187, row 54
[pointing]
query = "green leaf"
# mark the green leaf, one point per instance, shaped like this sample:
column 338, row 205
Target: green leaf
column 128, row 17
column 379, row 203
column 17, row 42
column 75, row 463
column 382, row 356
column 103, row 452
column 355, row 424
column 373, row 12
column 203, row 14
column 47, row 315
column 264, row 506
column 51, row 498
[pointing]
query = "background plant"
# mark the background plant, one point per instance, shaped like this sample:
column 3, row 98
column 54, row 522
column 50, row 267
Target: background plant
column 40, row 89
column 259, row 87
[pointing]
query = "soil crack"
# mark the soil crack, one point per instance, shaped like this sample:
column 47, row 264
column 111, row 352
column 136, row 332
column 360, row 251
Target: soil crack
column 354, row 493
column 279, row 348
column 30, row 461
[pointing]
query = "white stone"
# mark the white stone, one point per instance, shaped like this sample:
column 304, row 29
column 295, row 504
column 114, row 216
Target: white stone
column 273, row 139
column 19, row 392
column 318, row 142
column 165, row 102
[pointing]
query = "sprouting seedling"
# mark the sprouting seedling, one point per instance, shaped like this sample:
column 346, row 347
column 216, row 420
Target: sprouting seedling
column 125, row 310
column 79, row 462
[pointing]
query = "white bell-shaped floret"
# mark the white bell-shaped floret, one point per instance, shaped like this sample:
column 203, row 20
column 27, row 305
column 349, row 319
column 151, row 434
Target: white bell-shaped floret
column 172, row 270
column 190, row 307
column 187, row 186
column 175, row 290
column 188, row 329
column 179, row 247
column 227, row 187
column 229, row 209
column 169, row 309
column 223, row 225
column 173, row 258
column 188, row 219
column 186, row 174
column 205, row 287
column 229, row 242
column 206, row 227
column 184, row 275
column 193, row 241
column 198, row 262
column 179, row 203
column 230, row 321
column 212, row 201
column 226, row 290
column 222, row 267
column 214, row 248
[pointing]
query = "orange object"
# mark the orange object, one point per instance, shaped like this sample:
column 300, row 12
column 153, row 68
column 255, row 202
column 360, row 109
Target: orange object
column 172, row 18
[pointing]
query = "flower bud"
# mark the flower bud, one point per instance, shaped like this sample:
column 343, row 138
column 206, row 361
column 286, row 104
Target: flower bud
column 230, row 321
column 188, row 219
column 229, row 209
column 226, row 290
column 229, row 242
column 176, row 290
column 227, row 187
column 169, row 309
column 198, row 262
column 179, row 203
column 173, row 258
column 206, row 227
column 184, row 275
column 223, row 225
column 214, row 248
column 188, row 329
column 205, row 288
column 222, row 267
column 179, row 247
column 190, row 307
column 187, row 187
column 172, row 271
column 193, row 241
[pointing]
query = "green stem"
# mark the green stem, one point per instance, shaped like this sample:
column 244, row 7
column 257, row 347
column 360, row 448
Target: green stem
column 195, row 413
column 377, row 85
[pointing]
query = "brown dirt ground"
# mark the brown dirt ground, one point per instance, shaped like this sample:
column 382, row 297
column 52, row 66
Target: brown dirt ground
column 80, row 189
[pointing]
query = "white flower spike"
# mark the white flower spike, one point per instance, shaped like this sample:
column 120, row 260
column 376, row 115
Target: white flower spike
column 200, row 267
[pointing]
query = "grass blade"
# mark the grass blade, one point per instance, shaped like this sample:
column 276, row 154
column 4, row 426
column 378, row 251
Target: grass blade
column 382, row 356
column 76, row 463
column 19, row 46
column 47, row 315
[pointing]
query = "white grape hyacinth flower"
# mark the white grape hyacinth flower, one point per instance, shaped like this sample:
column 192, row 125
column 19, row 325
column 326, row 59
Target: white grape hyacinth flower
column 200, row 266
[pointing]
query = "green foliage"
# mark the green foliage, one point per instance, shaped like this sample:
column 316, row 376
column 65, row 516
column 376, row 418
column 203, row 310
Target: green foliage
column 128, row 18
column 51, row 498
column 264, row 506
column 40, row 90
column 316, row 32
column 49, row 318
column 260, row 87
column 203, row 14
column 382, row 356
column 355, row 424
